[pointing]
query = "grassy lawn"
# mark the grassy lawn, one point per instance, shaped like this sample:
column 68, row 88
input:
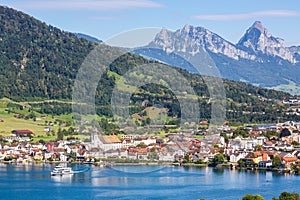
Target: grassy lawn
column 37, row 127
column 8, row 110
column 10, row 123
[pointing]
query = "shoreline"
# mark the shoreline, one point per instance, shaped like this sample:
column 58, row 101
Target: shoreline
column 112, row 163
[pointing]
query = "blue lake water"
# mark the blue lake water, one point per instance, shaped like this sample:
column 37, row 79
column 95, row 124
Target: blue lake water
column 140, row 182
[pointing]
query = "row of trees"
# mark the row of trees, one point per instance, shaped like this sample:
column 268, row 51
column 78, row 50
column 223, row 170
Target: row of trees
column 283, row 196
column 65, row 132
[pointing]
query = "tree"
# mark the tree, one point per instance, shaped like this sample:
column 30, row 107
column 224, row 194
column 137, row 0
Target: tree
column 270, row 133
column 65, row 132
column 276, row 161
column 218, row 159
column 252, row 197
column 241, row 132
column 241, row 163
column 187, row 158
column 153, row 156
column 199, row 161
column 52, row 132
column 71, row 130
column 258, row 147
column 60, row 134
column 42, row 141
column 285, row 132
column 148, row 121
column 142, row 144
column 288, row 196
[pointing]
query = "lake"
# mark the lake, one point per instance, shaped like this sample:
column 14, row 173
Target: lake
column 140, row 182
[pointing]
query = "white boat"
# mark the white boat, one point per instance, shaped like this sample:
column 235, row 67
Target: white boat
column 60, row 170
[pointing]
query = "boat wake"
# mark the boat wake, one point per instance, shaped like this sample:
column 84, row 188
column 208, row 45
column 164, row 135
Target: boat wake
column 86, row 169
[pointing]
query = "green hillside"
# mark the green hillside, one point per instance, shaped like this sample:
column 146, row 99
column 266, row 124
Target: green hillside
column 40, row 62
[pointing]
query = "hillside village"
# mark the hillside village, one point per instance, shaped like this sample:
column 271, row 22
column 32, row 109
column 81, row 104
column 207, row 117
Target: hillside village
column 249, row 146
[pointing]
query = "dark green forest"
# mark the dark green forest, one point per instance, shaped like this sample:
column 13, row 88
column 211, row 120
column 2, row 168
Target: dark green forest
column 39, row 62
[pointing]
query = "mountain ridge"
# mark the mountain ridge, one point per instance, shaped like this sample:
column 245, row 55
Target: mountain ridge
column 249, row 47
column 259, row 40
column 258, row 58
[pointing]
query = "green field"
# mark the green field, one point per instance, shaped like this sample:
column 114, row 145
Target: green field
column 291, row 87
column 37, row 125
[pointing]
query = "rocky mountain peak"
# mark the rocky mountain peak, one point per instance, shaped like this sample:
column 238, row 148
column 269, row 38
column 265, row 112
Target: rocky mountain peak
column 192, row 40
column 259, row 41
column 257, row 25
column 257, row 44
column 187, row 27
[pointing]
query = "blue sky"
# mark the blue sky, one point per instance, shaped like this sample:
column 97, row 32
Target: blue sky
column 105, row 18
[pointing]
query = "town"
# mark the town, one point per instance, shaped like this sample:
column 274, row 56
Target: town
column 270, row 146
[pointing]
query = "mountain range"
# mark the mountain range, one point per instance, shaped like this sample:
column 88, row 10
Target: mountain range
column 258, row 58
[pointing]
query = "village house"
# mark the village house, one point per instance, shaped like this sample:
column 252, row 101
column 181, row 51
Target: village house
column 296, row 153
column 261, row 140
column 200, row 156
column 123, row 153
column 81, row 154
column 255, row 157
column 235, row 144
column 284, row 146
column 96, row 152
column 127, row 142
column 63, row 157
column 249, row 143
column 132, row 153
column 112, row 153
column 166, row 156
column 142, row 153
column 107, row 142
column 265, row 164
column 38, row 154
column 47, row 155
column 22, row 132
column 144, row 139
column 287, row 158
column 2, row 154
column 268, row 145
column 235, row 157
column 130, row 136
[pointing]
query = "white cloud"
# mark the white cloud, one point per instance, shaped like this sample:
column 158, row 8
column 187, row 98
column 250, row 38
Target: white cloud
column 251, row 15
column 97, row 5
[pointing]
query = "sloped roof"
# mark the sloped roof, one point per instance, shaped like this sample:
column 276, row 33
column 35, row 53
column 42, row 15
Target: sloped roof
column 289, row 159
column 109, row 139
column 22, row 132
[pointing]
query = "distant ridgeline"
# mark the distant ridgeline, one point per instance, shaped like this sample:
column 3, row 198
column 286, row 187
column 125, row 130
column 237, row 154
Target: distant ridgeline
column 39, row 62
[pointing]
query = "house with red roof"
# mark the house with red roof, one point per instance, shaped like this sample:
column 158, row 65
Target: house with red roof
column 22, row 132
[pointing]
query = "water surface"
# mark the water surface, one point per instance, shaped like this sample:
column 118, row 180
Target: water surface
column 140, row 182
